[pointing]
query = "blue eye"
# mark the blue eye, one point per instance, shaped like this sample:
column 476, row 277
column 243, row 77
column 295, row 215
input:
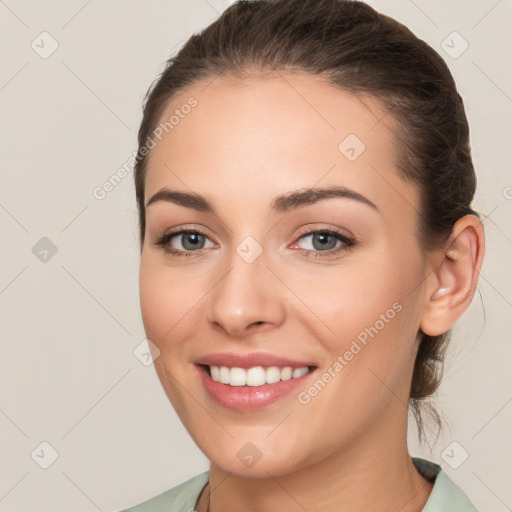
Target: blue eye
column 324, row 241
column 192, row 238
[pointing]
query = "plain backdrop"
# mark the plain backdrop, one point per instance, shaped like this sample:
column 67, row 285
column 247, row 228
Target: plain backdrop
column 74, row 396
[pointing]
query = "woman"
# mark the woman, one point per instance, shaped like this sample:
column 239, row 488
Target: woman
column 304, row 183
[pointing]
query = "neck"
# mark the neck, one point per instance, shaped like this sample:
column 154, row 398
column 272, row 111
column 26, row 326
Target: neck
column 374, row 471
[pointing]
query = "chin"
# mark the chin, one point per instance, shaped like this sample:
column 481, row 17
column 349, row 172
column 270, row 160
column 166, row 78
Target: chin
column 260, row 458
column 264, row 467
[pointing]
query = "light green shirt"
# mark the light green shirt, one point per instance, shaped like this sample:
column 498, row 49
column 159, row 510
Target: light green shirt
column 446, row 495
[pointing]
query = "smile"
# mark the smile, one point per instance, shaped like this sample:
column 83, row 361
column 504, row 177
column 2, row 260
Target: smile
column 255, row 376
column 251, row 386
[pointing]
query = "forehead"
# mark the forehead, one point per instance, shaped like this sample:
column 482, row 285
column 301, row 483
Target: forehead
column 248, row 140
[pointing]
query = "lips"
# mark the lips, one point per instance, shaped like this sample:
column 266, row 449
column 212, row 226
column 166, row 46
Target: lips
column 253, row 393
column 250, row 360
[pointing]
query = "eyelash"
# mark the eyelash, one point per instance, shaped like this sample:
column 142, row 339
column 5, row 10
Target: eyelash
column 347, row 241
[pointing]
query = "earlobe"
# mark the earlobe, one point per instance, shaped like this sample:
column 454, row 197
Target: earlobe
column 455, row 277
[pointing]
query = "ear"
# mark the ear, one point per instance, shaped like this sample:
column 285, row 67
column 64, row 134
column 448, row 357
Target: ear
column 453, row 283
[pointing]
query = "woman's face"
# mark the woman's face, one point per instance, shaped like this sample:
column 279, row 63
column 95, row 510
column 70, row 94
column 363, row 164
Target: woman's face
column 275, row 276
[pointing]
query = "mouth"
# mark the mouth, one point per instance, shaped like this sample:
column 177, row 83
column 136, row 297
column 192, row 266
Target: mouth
column 252, row 387
column 254, row 376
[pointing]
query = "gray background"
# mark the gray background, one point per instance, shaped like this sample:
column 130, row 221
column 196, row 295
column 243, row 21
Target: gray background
column 70, row 321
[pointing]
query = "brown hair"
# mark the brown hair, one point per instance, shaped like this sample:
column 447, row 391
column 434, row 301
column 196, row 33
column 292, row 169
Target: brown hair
column 360, row 50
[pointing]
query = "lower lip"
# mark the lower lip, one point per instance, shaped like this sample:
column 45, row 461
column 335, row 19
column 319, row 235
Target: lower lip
column 247, row 398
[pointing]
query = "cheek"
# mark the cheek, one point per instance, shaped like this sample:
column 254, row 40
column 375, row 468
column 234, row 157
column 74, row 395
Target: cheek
column 165, row 302
column 151, row 292
column 344, row 301
column 369, row 318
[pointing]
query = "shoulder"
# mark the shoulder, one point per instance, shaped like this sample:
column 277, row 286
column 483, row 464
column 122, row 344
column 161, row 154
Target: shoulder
column 446, row 495
column 181, row 498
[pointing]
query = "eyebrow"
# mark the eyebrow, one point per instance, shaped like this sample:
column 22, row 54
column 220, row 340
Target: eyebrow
column 280, row 204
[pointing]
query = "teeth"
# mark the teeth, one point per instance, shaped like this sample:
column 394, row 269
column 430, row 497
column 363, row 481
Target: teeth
column 255, row 376
column 299, row 372
column 273, row 375
column 237, row 377
column 215, row 370
column 223, row 375
column 286, row 373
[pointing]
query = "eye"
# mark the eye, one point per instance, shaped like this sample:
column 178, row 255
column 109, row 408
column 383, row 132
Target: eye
column 192, row 241
column 325, row 242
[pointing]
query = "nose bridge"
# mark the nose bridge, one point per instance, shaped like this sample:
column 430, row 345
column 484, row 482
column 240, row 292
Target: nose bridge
column 247, row 293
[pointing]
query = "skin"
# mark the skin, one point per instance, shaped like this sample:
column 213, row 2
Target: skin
column 246, row 142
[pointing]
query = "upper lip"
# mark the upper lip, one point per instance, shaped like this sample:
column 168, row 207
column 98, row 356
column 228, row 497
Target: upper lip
column 250, row 360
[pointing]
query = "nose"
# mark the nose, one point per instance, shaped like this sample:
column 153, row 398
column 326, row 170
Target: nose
column 246, row 299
